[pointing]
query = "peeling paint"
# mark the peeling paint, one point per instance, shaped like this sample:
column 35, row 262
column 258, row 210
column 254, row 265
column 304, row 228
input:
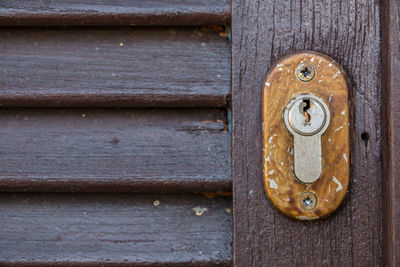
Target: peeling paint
column 338, row 129
column 330, row 98
column 272, row 184
column 199, row 210
column 339, row 184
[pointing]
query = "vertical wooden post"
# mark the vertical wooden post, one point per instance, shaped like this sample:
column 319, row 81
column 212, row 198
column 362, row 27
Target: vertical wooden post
column 391, row 130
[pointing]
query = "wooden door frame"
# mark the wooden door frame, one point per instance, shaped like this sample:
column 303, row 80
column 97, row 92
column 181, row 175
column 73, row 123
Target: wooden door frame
column 390, row 15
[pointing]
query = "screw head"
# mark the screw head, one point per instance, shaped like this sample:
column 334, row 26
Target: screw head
column 307, row 201
column 305, row 72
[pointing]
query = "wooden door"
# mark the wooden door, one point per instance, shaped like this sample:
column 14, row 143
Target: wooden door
column 363, row 36
column 130, row 132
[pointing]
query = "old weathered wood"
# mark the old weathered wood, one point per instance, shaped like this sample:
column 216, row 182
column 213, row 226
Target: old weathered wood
column 281, row 185
column 391, row 126
column 117, row 12
column 186, row 230
column 158, row 67
column 263, row 32
column 124, row 150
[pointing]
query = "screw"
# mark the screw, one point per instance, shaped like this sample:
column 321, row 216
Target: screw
column 305, row 72
column 307, row 201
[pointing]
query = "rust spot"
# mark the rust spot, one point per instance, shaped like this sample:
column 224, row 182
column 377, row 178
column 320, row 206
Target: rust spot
column 212, row 195
column 115, row 141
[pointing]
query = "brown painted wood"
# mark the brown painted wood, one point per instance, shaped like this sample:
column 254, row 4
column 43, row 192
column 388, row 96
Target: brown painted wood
column 281, row 184
column 349, row 32
column 116, row 12
column 105, row 229
column 140, row 67
column 124, row 150
column 391, row 125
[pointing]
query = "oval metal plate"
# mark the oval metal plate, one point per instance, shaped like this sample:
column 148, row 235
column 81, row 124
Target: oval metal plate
column 282, row 188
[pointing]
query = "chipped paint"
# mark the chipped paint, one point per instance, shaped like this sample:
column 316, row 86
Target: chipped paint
column 339, row 184
column 345, row 157
column 329, row 140
column 267, row 84
column 270, row 139
column 271, row 172
column 343, row 112
column 339, row 128
column 199, row 210
column 336, row 74
column 272, row 184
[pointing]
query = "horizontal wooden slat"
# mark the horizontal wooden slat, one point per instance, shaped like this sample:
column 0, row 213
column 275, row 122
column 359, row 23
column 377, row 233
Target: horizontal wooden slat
column 115, row 12
column 157, row 67
column 124, row 150
column 95, row 229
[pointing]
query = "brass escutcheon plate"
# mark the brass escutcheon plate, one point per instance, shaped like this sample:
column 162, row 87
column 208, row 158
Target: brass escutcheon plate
column 326, row 80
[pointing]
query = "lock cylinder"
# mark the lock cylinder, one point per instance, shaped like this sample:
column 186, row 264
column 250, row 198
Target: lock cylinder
column 307, row 117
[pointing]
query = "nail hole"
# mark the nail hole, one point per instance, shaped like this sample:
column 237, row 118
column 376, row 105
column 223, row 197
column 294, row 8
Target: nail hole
column 365, row 138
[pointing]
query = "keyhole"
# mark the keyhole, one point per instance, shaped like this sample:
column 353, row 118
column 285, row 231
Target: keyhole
column 306, row 107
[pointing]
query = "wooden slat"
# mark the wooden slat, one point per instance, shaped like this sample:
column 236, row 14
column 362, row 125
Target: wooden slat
column 116, row 12
column 124, row 150
column 391, row 125
column 348, row 31
column 104, row 229
column 157, row 67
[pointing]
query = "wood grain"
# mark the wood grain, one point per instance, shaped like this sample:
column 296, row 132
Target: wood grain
column 115, row 12
column 281, row 185
column 141, row 67
column 114, row 229
column 390, row 126
column 349, row 32
column 124, row 150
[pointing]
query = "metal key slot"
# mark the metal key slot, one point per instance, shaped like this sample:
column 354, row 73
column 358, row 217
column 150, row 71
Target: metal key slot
column 306, row 118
